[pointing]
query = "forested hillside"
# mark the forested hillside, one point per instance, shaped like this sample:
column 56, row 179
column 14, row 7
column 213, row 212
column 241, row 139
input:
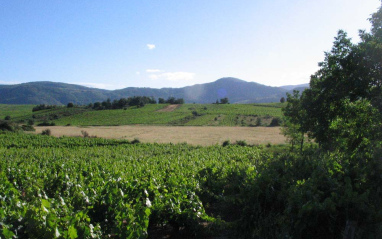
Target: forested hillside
column 52, row 93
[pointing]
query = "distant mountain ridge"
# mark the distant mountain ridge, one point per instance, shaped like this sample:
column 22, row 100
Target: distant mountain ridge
column 46, row 92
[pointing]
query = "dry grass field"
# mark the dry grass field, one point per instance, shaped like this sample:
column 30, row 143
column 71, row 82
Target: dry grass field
column 175, row 134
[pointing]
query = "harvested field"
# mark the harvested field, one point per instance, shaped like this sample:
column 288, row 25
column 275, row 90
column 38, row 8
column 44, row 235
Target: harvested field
column 175, row 134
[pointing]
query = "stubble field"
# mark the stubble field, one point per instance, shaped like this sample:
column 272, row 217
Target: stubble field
column 207, row 135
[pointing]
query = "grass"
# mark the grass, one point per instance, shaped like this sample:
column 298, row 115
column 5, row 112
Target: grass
column 185, row 115
column 15, row 110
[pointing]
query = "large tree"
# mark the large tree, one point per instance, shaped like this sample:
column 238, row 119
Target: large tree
column 343, row 104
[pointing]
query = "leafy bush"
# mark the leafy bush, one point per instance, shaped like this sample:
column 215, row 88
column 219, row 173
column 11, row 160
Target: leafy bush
column 275, row 122
column 241, row 143
column 314, row 194
column 46, row 132
column 7, row 117
column 45, row 123
column 135, row 141
column 30, row 122
column 84, row 133
column 8, row 126
column 28, row 128
column 226, row 143
column 258, row 121
column 43, row 107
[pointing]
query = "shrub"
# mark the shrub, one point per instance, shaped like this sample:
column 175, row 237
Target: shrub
column 226, row 143
column 135, row 141
column 84, row 133
column 258, row 122
column 30, row 122
column 7, row 126
column 46, row 132
column 195, row 113
column 28, row 128
column 45, row 123
column 275, row 122
column 7, row 117
column 43, row 107
column 241, row 143
column 70, row 105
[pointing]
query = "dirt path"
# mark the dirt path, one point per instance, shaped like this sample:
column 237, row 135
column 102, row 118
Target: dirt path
column 169, row 108
column 176, row 134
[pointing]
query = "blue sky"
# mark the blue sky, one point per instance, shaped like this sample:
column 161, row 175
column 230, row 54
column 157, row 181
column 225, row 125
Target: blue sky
column 171, row 43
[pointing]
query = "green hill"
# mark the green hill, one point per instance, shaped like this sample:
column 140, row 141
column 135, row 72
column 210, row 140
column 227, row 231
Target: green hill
column 52, row 93
column 184, row 115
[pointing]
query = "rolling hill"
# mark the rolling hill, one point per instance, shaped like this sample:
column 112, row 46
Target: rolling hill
column 44, row 92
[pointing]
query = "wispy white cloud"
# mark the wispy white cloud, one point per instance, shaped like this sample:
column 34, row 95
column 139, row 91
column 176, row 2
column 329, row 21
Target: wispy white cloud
column 9, row 82
column 150, row 46
column 173, row 76
column 137, row 73
column 153, row 76
column 153, row 70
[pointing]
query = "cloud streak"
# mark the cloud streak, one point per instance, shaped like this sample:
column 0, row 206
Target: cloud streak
column 173, row 76
column 150, row 46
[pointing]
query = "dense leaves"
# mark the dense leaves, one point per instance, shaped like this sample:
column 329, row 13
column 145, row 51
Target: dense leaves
column 347, row 87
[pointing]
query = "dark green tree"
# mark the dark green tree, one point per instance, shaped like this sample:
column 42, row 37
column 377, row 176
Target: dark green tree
column 348, row 84
column 294, row 123
column 224, row 101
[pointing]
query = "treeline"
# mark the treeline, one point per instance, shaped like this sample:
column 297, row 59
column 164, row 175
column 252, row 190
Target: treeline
column 138, row 101
column 43, row 107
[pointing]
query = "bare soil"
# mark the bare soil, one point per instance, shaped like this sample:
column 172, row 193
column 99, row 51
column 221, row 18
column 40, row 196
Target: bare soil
column 169, row 108
column 205, row 135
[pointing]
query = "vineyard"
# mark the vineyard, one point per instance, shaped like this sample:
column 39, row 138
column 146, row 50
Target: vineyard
column 97, row 188
column 93, row 188
column 186, row 114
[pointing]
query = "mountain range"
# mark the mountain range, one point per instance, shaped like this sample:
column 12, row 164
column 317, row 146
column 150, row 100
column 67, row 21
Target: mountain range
column 53, row 93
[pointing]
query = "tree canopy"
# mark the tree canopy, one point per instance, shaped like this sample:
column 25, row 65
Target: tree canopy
column 342, row 107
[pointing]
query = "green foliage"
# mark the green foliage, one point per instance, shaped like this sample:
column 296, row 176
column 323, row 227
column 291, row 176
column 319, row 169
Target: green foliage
column 46, row 132
column 161, row 101
column 122, row 103
column 70, row 105
column 173, row 100
column 295, row 120
column 28, row 128
column 7, row 117
column 43, row 107
column 225, row 115
column 9, row 126
column 258, row 121
column 314, row 195
column 347, row 86
column 338, row 186
column 85, row 187
column 46, row 123
column 224, row 101
column 275, row 122
column 226, row 143
column 211, row 114
column 241, row 143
